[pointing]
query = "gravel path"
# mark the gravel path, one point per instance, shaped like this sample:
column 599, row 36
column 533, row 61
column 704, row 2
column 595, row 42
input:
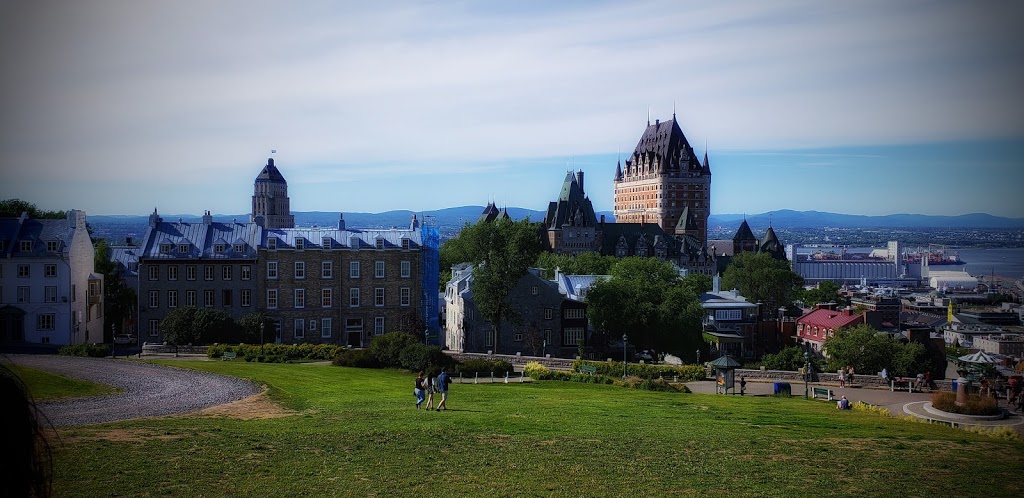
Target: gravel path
column 147, row 390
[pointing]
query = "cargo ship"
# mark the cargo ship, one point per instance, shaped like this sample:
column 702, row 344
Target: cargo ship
column 937, row 256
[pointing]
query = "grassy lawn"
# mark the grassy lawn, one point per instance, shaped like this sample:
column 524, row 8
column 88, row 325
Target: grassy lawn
column 357, row 433
column 44, row 385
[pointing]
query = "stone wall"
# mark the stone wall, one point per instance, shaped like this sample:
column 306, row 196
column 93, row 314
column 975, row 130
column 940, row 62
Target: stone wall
column 822, row 378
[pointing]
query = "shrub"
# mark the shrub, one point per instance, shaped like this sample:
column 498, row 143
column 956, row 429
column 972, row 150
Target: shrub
column 359, row 358
column 483, row 366
column 536, row 371
column 90, row 350
column 277, row 353
column 684, row 373
column 389, row 347
column 975, row 405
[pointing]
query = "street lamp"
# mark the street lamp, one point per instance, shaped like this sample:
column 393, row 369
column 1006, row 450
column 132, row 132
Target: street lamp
column 698, row 357
column 807, row 374
column 624, row 339
column 263, row 325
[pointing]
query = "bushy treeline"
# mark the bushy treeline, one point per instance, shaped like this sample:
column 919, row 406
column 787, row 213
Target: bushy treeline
column 210, row 326
column 536, row 371
column 91, row 350
column 277, row 353
column 403, row 350
column 685, row 373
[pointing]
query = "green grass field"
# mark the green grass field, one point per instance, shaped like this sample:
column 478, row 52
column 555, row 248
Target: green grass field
column 47, row 386
column 357, row 433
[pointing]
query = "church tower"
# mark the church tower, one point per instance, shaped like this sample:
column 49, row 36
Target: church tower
column 664, row 181
column 270, row 199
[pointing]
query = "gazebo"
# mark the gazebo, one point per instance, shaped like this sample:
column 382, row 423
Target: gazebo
column 725, row 374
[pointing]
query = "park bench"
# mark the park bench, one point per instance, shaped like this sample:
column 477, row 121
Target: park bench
column 588, row 369
column 824, row 392
column 898, row 384
column 228, row 355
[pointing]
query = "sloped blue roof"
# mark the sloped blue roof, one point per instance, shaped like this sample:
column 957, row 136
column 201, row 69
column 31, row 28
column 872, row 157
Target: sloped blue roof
column 201, row 240
column 342, row 239
column 39, row 231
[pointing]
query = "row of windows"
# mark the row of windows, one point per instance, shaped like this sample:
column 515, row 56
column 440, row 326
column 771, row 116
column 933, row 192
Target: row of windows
column 327, row 269
column 25, row 271
column 327, row 243
column 26, row 245
column 327, row 294
column 186, row 248
column 191, row 298
column 24, row 294
column 209, row 271
column 326, row 326
column 571, row 336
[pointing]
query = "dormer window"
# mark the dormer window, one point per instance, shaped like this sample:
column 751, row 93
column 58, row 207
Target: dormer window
column 272, row 243
column 52, row 245
column 380, row 243
column 325, row 242
column 26, row 245
column 183, row 248
column 405, row 244
column 239, row 248
column 165, row 248
column 218, row 248
column 299, row 243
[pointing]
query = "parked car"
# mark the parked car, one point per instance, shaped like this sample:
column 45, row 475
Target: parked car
column 123, row 339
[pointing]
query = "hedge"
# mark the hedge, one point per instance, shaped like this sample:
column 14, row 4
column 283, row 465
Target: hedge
column 685, row 373
column 277, row 353
column 91, row 350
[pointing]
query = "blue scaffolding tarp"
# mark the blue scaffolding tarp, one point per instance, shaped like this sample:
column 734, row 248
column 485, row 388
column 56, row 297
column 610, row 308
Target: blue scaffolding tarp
column 428, row 300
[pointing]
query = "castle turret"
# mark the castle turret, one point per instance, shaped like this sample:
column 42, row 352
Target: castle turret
column 270, row 198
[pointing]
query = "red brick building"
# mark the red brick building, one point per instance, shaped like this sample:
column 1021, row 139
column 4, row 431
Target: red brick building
column 821, row 323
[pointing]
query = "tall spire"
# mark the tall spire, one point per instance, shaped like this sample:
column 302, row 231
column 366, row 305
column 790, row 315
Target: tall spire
column 673, row 109
column 648, row 115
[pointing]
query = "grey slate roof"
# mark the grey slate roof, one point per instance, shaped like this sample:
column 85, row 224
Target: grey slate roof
column 343, row 239
column 573, row 286
column 612, row 232
column 200, row 240
column 270, row 173
column 127, row 259
column 39, row 231
column 744, row 233
column 664, row 144
column 573, row 207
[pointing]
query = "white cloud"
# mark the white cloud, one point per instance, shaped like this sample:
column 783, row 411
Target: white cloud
column 164, row 92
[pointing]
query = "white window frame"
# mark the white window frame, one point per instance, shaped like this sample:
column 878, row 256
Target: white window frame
column 272, row 270
column 271, row 299
column 154, row 299
column 353, row 297
column 46, row 322
column 172, row 299
column 246, row 272
column 154, row 272
column 378, row 297
column 300, row 244
column 52, row 246
column 326, row 269
column 406, row 269
column 245, row 298
column 172, row 273
column 378, row 269
column 209, row 272
column 154, row 327
column 24, row 271
column 299, row 328
column 325, row 328
column 225, row 272
column 353, row 269
column 49, row 270
column 378, row 325
column 190, row 272
column 300, row 270
column 24, row 294
column 191, row 298
column 326, row 297
column 50, row 294
column 300, row 298
column 208, row 298
column 406, row 296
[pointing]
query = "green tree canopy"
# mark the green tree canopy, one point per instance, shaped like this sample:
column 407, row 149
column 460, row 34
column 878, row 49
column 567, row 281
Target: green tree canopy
column 646, row 300
column 588, row 263
column 791, row 358
column 12, row 208
column 198, row 326
column 255, row 327
column 826, row 291
column 869, row 351
column 762, row 279
column 118, row 298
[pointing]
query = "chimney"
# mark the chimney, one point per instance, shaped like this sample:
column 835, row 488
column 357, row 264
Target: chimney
column 579, row 180
column 207, row 218
column 154, row 218
column 128, row 241
column 602, row 219
column 341, row 221
column 847, row 311
column 716, row 284
column 415, row 223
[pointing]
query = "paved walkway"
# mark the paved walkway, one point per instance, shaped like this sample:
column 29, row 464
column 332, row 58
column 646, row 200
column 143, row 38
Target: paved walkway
column 146, row 390
column 898, row 403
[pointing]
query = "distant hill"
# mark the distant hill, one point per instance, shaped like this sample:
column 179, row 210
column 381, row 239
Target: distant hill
column 117, row 227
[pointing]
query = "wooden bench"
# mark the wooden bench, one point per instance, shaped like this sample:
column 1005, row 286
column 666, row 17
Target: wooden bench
column 823, row 392
column 588, row 369
column 228, row 355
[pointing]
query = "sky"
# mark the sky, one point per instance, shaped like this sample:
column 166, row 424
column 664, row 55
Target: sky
column 870, row 107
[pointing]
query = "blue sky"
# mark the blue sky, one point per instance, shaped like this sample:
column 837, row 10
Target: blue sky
column 117, row 107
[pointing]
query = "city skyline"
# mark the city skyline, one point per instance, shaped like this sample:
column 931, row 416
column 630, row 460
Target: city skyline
column 867, row 108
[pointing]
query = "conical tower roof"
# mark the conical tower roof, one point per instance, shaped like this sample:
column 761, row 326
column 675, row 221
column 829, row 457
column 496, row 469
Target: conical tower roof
column 270, row 173
column 744, row 233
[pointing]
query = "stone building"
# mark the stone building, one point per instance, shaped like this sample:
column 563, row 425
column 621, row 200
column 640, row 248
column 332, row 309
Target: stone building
column 200, row 265
column 270, row 199
column 548, row 323
column 342, row 285
column 49, row 291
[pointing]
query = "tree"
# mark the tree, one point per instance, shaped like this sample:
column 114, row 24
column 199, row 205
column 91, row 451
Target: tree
column 588, row 263
column 791, row 358
column 215, row 325
column 254, row 327
column 12, row 208
column 119, row 300
column 826, row 292
column 178, row 326
column 762, row 278
column 501, row 252
column 864, row 348
column 646, row 300
column 698, row 283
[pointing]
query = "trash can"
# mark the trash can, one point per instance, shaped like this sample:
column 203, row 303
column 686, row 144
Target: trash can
column 782, row 388
column 954, row 384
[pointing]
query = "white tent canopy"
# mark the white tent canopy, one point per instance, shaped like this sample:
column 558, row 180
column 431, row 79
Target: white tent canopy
column 979, row 357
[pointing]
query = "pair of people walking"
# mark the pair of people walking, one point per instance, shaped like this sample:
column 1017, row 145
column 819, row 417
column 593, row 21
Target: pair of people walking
column 426, row 387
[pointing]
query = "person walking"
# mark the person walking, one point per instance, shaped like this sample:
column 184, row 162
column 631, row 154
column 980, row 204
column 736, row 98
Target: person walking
column 418, row 390
column 442, row 385
column 430, row 386
column 743, row 385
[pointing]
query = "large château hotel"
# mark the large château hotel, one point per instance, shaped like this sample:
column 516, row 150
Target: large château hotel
column 662, row 180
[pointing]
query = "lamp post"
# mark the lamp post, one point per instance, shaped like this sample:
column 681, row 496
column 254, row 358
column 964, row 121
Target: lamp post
column 263, row 325
column 624, row 339
column 698, row 357
column 807, row 374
